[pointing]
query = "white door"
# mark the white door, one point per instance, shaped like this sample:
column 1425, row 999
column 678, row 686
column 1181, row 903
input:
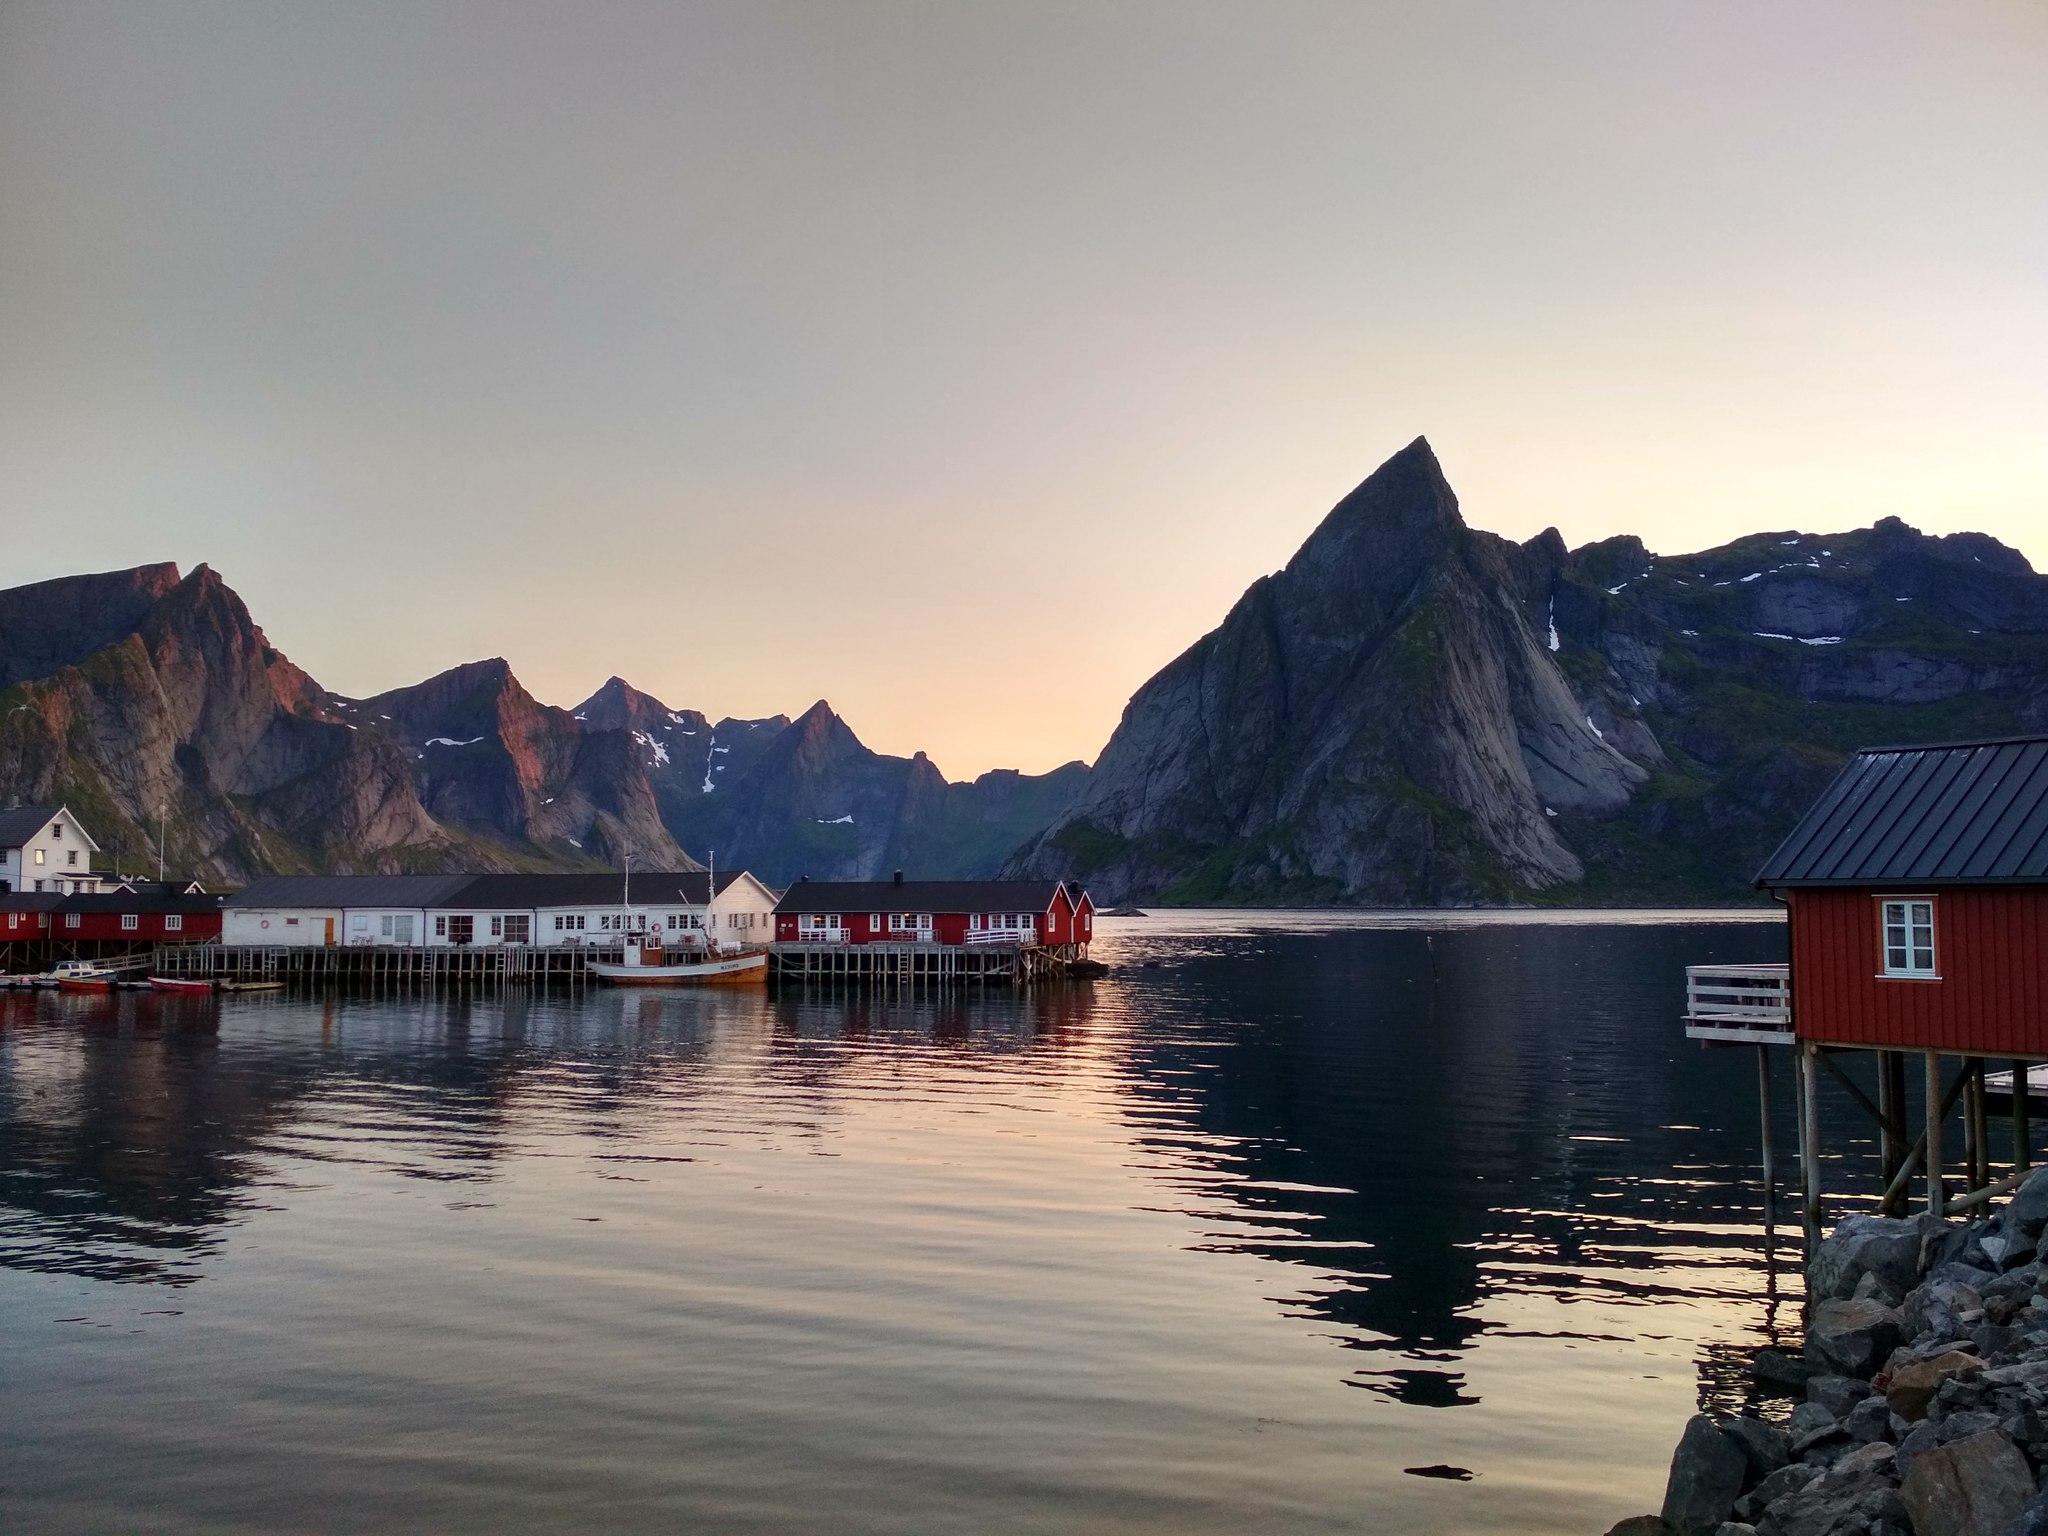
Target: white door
column 401, row 929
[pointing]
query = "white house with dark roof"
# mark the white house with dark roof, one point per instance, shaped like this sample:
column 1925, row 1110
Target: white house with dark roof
column 43, row 848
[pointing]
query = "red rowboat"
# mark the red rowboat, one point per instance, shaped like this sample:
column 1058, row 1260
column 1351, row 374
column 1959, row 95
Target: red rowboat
column 178, row 984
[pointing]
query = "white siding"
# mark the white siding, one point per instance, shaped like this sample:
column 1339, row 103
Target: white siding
column 306, row 926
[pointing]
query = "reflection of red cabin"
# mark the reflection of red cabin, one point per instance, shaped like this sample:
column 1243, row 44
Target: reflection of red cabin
column 967, row 912
column 1918, row 895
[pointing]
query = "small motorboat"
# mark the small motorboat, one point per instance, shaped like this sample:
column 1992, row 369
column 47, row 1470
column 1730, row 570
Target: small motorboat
column 84, row 976
column 648, row 965
column 180, row 984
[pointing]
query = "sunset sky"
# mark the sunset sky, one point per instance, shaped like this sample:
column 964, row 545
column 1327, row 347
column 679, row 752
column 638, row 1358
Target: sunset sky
column 962, row 363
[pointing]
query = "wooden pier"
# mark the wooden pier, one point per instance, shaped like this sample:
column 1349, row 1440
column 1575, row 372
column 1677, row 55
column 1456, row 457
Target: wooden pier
column 924, row 965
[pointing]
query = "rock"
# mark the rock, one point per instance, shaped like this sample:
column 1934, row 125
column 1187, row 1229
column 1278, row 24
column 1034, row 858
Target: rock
column 1786, row 1480
column 1767, row 1446
column 1851, row 1337
column 1925, row 1437
column 1975, row 1276
column 1937, row 1306
column 1835, row 1505
column 2017, row 1283
column 1886, row 1246
column 1963, row 1245
column 1874, row 1287
column 1734, row 1528
column 2035, row 1521
column 1808, row 1418
column 2025, row 1216
column 1868, row 1420
column 1640, row 1525
column 1707, row 1474
column 1788, row 1371
column 1864, row 1461
column 1976, row 1487
column 1837, row 1394
column 1914, row 1386
column 1990, row 1339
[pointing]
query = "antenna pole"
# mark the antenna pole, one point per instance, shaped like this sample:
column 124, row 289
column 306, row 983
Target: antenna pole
column 163, row 815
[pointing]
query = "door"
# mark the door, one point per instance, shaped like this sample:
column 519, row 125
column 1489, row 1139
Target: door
column 401, row 929
column 330, row 930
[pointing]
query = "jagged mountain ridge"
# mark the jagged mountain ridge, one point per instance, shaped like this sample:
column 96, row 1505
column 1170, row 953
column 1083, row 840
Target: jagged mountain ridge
column 127, row 691
column 1417, row 712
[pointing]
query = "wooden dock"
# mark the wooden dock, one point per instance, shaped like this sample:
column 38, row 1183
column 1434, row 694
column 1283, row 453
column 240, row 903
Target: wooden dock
column 383, row 965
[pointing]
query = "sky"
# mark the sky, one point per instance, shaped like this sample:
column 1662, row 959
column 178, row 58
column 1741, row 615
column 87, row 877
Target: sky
column 962, row 363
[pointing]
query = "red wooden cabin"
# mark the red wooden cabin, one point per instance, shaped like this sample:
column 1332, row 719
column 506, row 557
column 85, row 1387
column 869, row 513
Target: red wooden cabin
column 903, row 911
column 1917, row 889
column 149, row 916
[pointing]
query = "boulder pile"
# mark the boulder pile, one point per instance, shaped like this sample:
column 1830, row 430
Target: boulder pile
column 1924, row 1381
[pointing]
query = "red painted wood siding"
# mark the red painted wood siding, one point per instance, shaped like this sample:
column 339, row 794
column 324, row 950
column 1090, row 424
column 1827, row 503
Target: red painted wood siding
column 198, row 927
column 1990, row 947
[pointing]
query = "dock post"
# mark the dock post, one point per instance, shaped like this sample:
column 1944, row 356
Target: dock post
column 1809, row 1130
column 1936, row 1201
column 1975, row 1142
column 1891, row 1108
column 1763, row 1097
column 2021, row 1156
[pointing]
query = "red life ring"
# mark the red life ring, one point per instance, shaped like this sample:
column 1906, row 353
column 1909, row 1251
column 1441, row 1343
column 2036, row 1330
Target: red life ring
column 266, row 922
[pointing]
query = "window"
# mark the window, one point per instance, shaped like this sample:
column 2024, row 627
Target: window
column 71, row 857
column 440, row 927
column 291, row 922
column 40, row 856
column 462, row 929
column 13, row 918
column 70, row 919
column 56, row 830
column 518, row 928
column 39, row 885
column 1909, row 937
column 497, row 927
column 384, row 926
column 874, row 922
column 174, row 923
column 130, row 921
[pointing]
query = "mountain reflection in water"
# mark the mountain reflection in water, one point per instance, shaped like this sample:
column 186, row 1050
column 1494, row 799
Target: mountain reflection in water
column 1109, row 1256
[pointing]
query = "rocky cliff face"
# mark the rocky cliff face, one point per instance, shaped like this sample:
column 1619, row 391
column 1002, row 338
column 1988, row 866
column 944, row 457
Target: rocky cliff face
column 125, row 692
column 1417, row 712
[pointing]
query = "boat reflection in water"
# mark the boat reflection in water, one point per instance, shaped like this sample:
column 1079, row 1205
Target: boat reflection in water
column 1224, row 1243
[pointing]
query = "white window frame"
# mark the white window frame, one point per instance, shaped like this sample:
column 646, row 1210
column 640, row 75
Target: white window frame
column 1906, row 939
column 174, row 922
column 130, row 921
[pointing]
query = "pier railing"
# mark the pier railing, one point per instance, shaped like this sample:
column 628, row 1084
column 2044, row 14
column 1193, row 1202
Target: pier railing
column 1749, row 1004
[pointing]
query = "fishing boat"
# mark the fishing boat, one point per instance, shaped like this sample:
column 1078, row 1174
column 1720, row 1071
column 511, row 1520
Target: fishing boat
column 179, row 984
column 647, row 963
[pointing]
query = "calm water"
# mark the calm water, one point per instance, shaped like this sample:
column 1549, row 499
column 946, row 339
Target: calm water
column 1219, row 1244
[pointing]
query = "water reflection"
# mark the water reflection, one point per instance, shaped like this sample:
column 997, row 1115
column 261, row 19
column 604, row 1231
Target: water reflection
column 1455, row 1154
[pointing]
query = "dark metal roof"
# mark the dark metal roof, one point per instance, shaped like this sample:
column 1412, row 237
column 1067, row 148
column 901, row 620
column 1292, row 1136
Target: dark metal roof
column 19, row 823
column 484, row 893
column 138, row 902
column 349, row 890
column 918, row 896
column 1960, row 813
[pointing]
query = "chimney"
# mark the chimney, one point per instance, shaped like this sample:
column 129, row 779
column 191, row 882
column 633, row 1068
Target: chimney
column 899, row 877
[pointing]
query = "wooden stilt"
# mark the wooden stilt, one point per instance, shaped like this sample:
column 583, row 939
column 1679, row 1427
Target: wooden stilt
column 1976, row 1139
column 2022, row 1157
column 1763, row 1097
column 1809, row 1151
column 1891, row 1114
column 1936, row 1196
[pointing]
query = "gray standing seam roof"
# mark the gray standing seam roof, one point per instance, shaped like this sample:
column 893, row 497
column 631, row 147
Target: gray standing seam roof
column 1960, row 813
column 19, row 823
column 348, row 890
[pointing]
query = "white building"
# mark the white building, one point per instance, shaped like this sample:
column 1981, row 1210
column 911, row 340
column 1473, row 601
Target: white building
column 43, row 848
column 433, row 911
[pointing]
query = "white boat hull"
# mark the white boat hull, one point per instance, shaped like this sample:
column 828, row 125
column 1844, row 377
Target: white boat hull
column 729, row 970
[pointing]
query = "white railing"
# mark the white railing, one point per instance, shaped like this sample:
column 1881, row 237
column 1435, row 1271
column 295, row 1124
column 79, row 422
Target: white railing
column 1738, row 1002
column 1016, row 936
column 821, row 935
